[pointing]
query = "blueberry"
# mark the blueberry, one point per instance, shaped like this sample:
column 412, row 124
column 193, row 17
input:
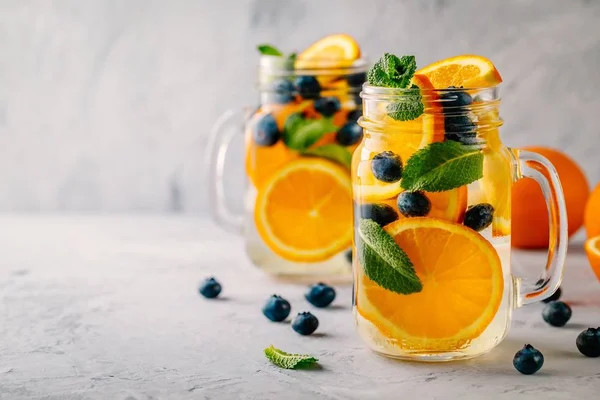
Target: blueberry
column 308, row 86
column 354, row 115
column 265, row 131
column 383, row 214
column 349, row 134
column 348, row 255
column 387, row 167
column 588, row 342
column 276, row 308
column 305, row 323
column 455, row 98
column 210, row 288
column 555, row 296
column 528, row 360
column 327, row 106
column 460, row 128
column 357, row 79
column 320, row 295
column 413, row 204
column 557, row 313
column 479, row 216
column 283, row 91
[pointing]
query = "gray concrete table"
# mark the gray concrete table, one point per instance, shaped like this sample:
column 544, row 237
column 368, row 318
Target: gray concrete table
column 106, row 308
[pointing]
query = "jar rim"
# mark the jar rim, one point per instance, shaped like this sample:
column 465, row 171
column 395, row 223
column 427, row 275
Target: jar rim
column 372, row 92
column 283, row 67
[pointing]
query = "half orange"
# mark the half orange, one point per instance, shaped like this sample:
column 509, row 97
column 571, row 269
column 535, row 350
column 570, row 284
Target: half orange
column 592, row 249
column 469, row 71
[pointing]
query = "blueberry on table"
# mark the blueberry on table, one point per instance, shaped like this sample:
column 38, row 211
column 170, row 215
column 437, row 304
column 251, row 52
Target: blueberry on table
column 305, row 323
column 320, row 295
column 276, row 308
column 387, row 167
column 557, row 313
column 460, row 128
column 479, row 216
column 283, row 90
column 383, row 214
column 327, row 106
column 210, row 288
column 588, row 342
column 413, row 204
column 308, row 86
column 350, row 133
column 266, row 133
column 455, row 98
column 528, row 360
column 555, row 296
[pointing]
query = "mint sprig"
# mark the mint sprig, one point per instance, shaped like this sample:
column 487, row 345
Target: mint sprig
column 408, row 108
column 383, row 261
column 442, row 166
column 287, row 360
column 299, row 133
column 269, row 50
column 333, row 152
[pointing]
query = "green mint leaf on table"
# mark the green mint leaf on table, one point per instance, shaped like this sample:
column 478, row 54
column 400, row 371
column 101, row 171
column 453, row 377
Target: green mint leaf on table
column 442, row 166
column 383, row 261
column 410, row 108
column 300, row 133
column 287, row 360
column 333, row 152
column 391, row 71
column 268, row 50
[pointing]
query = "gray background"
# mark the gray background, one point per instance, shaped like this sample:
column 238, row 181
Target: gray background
column 106, row 105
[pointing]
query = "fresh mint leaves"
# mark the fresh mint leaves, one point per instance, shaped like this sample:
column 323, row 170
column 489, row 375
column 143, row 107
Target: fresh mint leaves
column 333, row 152
column 269, row 50
column 384, row 262
column 394, row 72
column 300, row 133
column 442, row 166
column 287, row 360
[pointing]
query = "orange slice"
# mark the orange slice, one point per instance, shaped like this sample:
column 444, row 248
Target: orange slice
column 592, row 249
column 469, row 71
column 331, row 51
column 304, row 211
column 401, row 137
column 462, row 286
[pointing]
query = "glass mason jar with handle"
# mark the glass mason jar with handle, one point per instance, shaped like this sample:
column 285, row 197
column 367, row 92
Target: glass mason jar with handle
column 432, row 196
column 297, row 219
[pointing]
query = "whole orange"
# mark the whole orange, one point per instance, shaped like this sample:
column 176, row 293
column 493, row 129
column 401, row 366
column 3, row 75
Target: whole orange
column 592, row 213
column 529, row 213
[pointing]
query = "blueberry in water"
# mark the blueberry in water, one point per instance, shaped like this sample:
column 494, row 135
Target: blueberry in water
column 305, row 323
column 357, row 79
column 479, row 216
column 455, row 98
column 387, row 167
column 348, row 255
column 413, row 204
column 276, row 308
column 350, row 133
column 320, row 295
column 557, row 313
column 383, row 214
column 327, row 106
column 308, row 86
column 555, row 296
column 588, row 342
column 283, row 90
column 528, row 360
column 210, row 288
column 460, row 128
column 266, row 132
column 354, row 115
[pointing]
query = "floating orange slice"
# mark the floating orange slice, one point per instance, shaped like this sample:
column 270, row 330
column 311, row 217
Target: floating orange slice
column 592, row 249
column 304, row 211
column 462, row 286
column 338, row 50
column 469, row 71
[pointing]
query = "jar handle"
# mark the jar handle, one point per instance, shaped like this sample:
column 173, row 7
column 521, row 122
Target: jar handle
column 531, row 165
column 226, row 128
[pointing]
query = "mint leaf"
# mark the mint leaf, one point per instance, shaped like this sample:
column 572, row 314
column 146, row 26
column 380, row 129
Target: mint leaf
column 268, row 50
column 442, row 166
column 300, row 133
column 391, row 71
column 287, row 360
column 292, row 57
column 333, row 152
column 383, row 261
column 409, row 108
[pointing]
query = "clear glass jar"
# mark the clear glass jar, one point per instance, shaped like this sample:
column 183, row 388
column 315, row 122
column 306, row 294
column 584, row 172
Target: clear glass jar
column 297, row 220
column 432, row 213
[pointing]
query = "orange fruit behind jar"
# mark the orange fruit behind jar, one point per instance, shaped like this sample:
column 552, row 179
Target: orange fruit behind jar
column 592, row 213
column 529, row 213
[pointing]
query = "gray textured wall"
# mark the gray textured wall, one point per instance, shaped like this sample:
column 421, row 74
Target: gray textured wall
column 105, row 105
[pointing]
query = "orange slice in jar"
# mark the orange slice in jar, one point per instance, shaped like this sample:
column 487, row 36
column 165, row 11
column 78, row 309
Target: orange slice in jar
column 468, row 71
column 338, row 50
column 304, row 212
column 462, row 282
